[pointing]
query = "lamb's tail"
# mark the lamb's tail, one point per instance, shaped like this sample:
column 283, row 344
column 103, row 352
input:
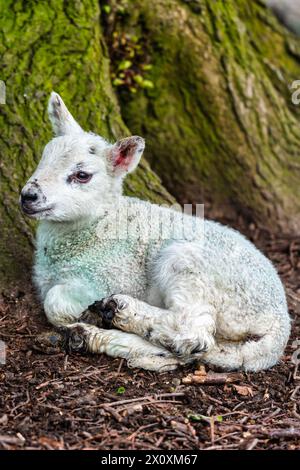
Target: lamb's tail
column 251, row 355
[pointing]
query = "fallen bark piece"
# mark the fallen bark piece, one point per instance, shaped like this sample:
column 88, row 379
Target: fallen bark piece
column 243, row 390
column 212, row 378
column 200, row 371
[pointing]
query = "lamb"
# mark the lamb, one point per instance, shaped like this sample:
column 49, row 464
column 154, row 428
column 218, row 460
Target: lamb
column 195, row 291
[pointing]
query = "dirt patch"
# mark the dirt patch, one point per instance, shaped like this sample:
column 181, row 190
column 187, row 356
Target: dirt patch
column 94, row 402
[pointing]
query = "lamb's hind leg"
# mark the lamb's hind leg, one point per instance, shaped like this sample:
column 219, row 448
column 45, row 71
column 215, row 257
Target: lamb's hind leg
column 82, row 337
column 186, row 332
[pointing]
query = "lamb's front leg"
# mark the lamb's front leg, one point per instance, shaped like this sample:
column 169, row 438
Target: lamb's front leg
column 65, row 302
column 187, row 331
column 65, row 306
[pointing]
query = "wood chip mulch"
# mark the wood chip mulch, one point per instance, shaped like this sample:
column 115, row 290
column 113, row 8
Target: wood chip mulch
column 59, row 401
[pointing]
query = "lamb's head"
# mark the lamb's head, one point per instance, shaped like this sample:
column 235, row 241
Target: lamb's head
column 79, row 172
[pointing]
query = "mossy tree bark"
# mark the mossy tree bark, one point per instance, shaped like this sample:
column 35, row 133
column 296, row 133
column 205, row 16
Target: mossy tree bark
column 219, row 120
column 44, row 46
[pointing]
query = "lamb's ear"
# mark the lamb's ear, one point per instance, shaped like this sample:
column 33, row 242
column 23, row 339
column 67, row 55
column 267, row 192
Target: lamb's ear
column 125, row 154
column 61, row 119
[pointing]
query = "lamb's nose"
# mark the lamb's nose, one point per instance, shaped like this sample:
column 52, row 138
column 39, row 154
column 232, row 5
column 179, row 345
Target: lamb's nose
column 28, row 197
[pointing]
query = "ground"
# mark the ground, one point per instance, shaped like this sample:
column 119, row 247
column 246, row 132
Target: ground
column 60, row 401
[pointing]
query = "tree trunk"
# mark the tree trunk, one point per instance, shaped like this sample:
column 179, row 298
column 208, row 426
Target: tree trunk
column 207, row 83
column 209, row 86
column 47, row 46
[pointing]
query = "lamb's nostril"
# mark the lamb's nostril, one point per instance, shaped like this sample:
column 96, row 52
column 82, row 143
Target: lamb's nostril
column 28, row 197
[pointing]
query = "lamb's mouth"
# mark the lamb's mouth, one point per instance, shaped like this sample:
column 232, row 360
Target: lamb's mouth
column 36, row 212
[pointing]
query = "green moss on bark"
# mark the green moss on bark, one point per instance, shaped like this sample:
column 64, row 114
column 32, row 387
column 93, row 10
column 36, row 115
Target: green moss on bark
column 47, row 46
column 219, row 123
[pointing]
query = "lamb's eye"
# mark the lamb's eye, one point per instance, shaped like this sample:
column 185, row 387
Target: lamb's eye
column 82, row 177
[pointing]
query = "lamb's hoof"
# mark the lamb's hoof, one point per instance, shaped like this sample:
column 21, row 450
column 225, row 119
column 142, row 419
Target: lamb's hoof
column 91, row 318
column 49, row 342
column 106, row 308
column 74, row 340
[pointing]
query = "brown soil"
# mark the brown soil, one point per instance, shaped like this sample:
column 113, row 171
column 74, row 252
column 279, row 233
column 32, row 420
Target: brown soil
column 77, row 402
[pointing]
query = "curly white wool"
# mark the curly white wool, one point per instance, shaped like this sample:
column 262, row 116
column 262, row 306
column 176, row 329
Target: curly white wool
column 177, row 299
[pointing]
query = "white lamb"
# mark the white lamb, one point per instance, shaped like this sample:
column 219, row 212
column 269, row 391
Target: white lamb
column 171, row 298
